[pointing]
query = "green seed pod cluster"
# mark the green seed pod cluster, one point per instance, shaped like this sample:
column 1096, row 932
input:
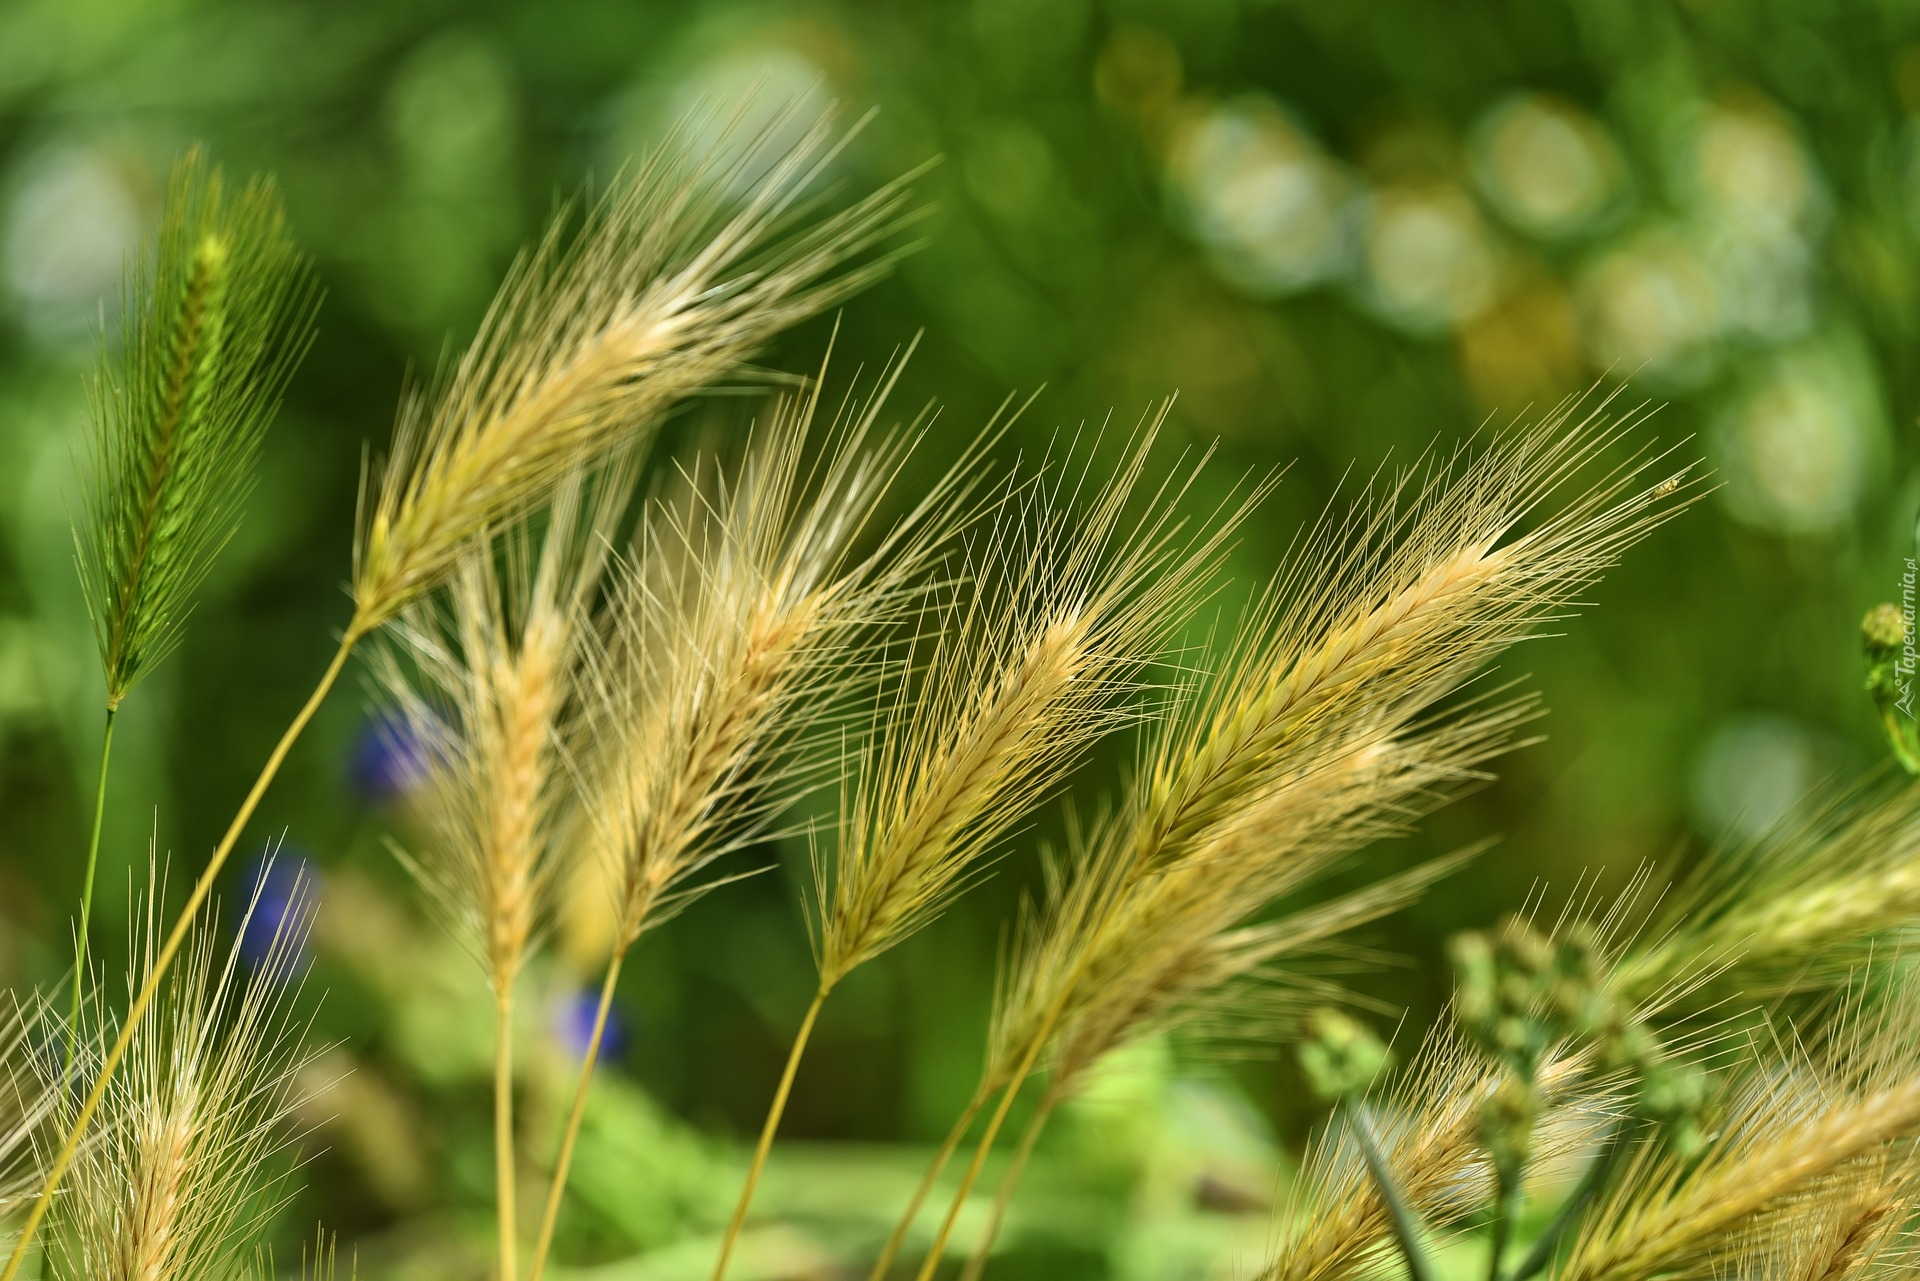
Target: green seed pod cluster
column 1521, row 993
column 1886, row 635
column 1341, row 1055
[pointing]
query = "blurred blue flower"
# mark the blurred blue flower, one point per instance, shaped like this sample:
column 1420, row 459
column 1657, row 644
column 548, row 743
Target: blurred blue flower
column 573, row 1025
column 390, row 758
column 278, row 897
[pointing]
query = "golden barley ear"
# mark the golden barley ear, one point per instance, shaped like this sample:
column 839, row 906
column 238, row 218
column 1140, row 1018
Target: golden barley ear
column 1803, row 908
column 492, row 697
column 664, row 287
column 489, row 684
column 177, row 1180
column 212, row 325
column 736, row 630
column 1317, row 734
column 1063, row 602
column 1811, row 1134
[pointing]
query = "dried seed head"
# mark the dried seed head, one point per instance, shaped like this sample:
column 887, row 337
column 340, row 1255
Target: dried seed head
column 734, row 634
column 492, row 685
column 667, row 286
column 178, row 1181
column 1066, row 608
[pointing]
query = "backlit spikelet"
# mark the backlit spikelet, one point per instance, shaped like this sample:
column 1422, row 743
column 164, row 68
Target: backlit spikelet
column 29, row 1092
column 177, row 1183
column 1317, row 737
column 1065, row 607
column 1334, row 1223
column 1856, row 1226
column 671, row 282
column 1802, row 1137
column 733, row 631
column 1802, row 909
column 491, row 689
column 212, row 325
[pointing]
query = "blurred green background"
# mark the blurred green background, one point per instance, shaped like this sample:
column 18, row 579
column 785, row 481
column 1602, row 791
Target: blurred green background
column 1340, row 232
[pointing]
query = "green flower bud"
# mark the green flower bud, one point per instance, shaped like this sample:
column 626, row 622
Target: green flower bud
column 1883, row 630
column 1341, row 1055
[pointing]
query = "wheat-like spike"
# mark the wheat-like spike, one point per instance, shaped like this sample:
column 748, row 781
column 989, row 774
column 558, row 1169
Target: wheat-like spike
column 1803, row 908
column 1850, row 1226
column 1403, row 599
column 175, row 1185
column 1310, row 742
column 1045, row 655
column 1067, row 605
column 736, row 632
column 670, row 283
column 1789, row 1130
column 500, row 694
column 212, row 325
column 733, row 633
column 1334, row 1224
column 31, row 1034
column 492, row 688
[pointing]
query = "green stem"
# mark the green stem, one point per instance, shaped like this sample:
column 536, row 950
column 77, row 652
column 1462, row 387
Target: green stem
column 150, row 986
column 1015, row 1079
column 1406, row 1231
column 1901, row 737
column 86, row 908
column 557, row 1191
column 972, row 1175
column 767, row 1130
column 1576, row 1202
column 1506, row 1209
column 503, row 1165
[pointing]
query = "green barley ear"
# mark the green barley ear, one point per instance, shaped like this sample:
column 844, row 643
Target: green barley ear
column 213, row 324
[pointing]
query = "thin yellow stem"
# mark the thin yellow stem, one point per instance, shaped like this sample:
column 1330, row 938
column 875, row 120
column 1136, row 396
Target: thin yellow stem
column 977, row 1262
column 503, row 1168
column 177, row 936
column 767, row 1131
column 558, row 1190
column 86, row 909
column 1017, row 1079
column 934, row 1169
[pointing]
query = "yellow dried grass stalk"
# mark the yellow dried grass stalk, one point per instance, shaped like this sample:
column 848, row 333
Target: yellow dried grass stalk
column 669, row 283
column 735, row 635
column 177, row 1183
column 1784, row 1137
